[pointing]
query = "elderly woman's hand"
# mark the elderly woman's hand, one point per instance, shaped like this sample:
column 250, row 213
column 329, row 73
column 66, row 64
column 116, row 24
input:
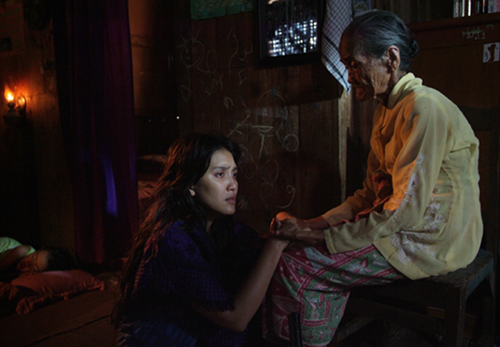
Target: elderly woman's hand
column 283, row 227
column 286, row 227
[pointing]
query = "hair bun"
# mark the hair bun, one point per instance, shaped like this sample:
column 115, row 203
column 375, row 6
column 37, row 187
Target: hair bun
column 413, row 48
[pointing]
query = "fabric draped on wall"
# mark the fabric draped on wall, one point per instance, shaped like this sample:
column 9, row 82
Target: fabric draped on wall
column 95, row 85
column 337, row 18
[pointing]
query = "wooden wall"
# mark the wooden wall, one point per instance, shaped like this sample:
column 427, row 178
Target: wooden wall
column 35, row 194
column 285, row 118
column 417, row 10
column 155, row 93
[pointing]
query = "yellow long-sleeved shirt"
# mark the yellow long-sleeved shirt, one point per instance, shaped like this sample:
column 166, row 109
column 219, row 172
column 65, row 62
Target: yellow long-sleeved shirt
column 432, row 223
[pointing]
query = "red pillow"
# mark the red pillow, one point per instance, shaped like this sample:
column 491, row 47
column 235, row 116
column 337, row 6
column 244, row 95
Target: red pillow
column 52, row 286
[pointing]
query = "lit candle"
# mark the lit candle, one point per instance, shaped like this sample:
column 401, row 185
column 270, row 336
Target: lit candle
column 10, row 100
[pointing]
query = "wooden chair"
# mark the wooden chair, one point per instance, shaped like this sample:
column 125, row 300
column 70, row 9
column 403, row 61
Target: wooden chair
column 441, row 305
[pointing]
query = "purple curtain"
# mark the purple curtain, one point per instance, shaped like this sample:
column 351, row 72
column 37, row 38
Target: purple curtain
column 94, row 74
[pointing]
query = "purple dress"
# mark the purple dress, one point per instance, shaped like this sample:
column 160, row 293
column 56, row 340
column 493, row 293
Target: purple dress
column 187, row 271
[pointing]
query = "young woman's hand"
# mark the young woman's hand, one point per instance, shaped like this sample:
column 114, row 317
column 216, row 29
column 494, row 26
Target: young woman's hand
column 278, row 244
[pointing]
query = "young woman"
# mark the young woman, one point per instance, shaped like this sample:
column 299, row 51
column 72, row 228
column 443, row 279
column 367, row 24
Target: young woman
column 195, row 277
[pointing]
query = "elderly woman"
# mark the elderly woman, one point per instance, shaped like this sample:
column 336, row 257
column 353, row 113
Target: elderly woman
column 418, row 214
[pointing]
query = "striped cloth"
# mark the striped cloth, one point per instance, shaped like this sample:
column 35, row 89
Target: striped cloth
column 338, row 16
column 317, row 285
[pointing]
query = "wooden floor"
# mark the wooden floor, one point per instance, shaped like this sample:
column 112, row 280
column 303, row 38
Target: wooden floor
column 82, row 321
column 377, row 335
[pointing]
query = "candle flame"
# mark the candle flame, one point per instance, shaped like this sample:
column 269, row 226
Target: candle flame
column 8, row 94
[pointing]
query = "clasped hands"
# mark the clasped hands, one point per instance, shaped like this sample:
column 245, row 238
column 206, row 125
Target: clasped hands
column 298, row 231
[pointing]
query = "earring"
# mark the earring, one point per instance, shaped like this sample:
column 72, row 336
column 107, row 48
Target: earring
column 191, row 191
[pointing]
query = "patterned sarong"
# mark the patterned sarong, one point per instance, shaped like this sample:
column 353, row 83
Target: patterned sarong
column 316, row 284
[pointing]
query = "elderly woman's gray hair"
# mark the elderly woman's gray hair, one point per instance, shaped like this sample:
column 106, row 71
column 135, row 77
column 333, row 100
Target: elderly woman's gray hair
column 374, row 31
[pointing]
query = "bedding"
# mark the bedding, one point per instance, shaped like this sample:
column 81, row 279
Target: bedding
column 10, row 296
column 51, row 286
column 29, row 292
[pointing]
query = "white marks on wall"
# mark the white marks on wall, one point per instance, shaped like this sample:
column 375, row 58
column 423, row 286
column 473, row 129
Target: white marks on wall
column 266, row 131
column 242, row 77
column 216, row 83
column 270, row 133
column 228, row 102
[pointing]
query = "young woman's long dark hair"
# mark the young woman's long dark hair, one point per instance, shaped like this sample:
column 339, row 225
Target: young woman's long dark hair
column 187, row 161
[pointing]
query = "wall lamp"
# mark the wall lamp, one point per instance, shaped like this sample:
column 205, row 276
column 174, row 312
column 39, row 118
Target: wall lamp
column 17, row 108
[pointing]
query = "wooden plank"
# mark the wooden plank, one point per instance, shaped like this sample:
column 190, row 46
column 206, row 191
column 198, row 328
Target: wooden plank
column 318, row 177
column 436, row 25
column 452, row 62
column 183, row 65
column 56, row 319
column 456, row 77
column 99, row 333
